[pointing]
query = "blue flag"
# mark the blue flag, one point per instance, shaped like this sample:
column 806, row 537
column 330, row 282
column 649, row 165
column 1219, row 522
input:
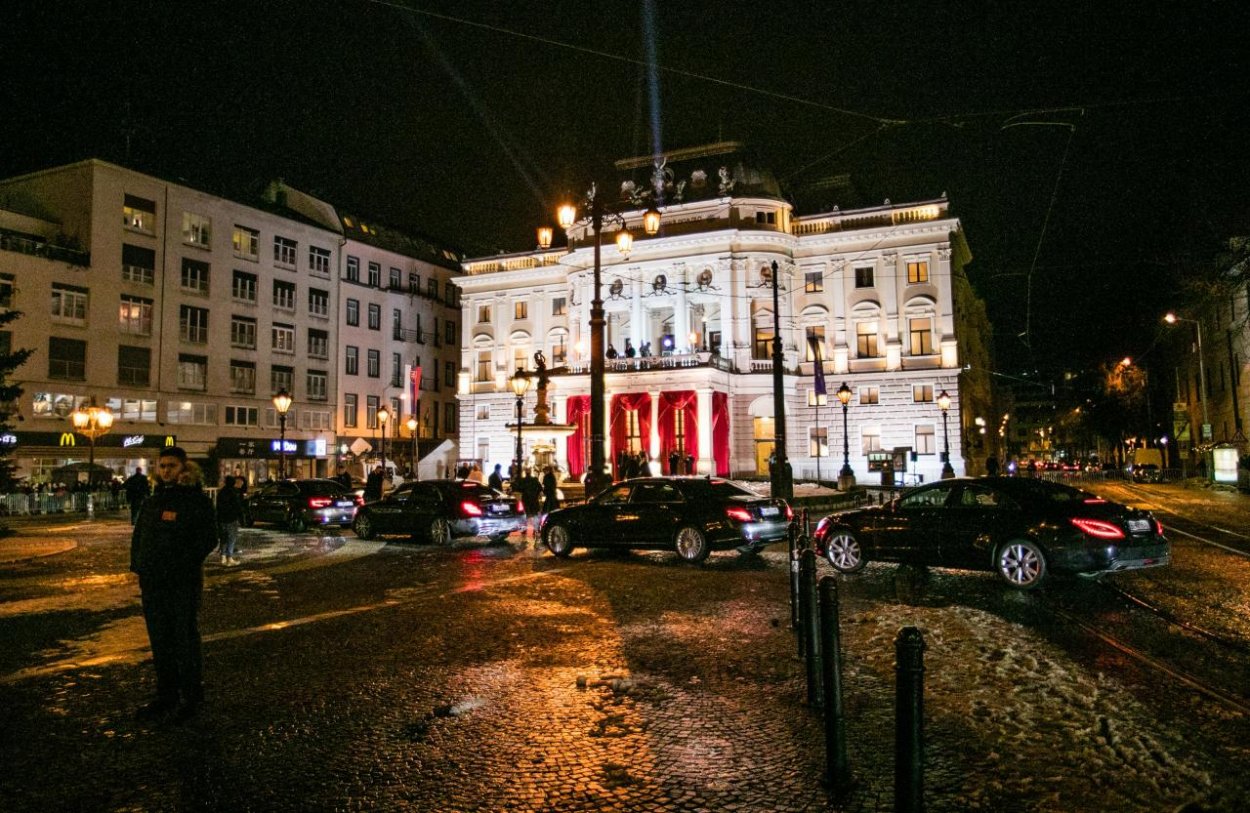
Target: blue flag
column 818, row 369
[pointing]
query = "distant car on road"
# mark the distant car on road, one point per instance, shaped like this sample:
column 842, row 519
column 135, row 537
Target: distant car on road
column 440, row 511
column 691, row 515
column 1021, row 528
column 300, row 504
column 1147, row 473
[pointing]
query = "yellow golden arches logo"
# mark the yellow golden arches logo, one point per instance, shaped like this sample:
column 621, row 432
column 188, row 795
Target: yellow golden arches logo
column 67, row 439
column 169, row 440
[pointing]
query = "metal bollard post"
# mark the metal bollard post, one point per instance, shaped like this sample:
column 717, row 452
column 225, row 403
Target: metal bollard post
column 837, row 768
column 909, row 649
column 807, row 529
column 794, row 583
column 810, row 613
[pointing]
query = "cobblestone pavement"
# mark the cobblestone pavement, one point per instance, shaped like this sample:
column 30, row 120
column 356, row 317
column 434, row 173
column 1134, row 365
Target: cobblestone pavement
column 345, row 675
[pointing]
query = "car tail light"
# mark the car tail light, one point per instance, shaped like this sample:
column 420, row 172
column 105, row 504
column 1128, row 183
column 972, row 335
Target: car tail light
column 471, row 509
column 1094, row 501
column 319, row 502
column 789, row 512
column 1099, row 528
column 520, row 507
column 359, row 500
column 738, row 513
column 1158, row 526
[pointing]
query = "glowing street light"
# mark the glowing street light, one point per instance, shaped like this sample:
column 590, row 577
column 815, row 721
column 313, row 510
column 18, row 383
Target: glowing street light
column 282, row 403
column 944, row 404
column 846, row 477
column 92, row 421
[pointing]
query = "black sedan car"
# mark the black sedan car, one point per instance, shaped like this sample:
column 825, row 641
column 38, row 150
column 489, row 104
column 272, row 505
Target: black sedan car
column 300, row 504
column 692, row 515
column 1021, row 528
column 441, row 510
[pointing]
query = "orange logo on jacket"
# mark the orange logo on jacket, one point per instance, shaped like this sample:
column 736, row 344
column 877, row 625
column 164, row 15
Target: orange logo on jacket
column 169, row 516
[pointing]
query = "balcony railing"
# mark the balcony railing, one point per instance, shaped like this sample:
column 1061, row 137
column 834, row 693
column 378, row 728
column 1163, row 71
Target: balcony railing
column 41, row 248
column 675, row 361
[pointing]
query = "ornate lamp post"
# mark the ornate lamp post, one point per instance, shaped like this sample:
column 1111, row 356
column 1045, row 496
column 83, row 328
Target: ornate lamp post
column 782, row 485
column 1171, row 319
column 520, row 385
column 384, row 415
column 598, row 211
column 92, row 421
column 846, row 477
column 413, row 425
column 944, row 404
column 282, row 403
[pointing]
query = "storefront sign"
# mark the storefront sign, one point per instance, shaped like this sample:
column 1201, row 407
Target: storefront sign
column 74, row 440
column 269, row 448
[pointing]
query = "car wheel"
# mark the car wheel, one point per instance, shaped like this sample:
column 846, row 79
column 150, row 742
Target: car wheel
column 363, row 526
column 297, row 524
column 691, row 544
column 440, row 532
column 560, row 541
column 844, row 552
column 1022, row 564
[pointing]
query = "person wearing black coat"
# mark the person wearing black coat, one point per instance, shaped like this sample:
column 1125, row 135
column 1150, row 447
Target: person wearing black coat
column 551, row 499
column 373, row 484
column 175, row 531
column 230, row 510
column 137, row 490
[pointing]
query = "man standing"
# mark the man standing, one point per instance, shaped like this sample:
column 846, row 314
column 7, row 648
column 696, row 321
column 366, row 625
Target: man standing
column 175, row 530
column 496, row 478
column 373, row 484
column 137, row 490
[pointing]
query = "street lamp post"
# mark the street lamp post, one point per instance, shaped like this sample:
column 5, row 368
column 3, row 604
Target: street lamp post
column 520, row 385
column 282, row 403
column 846, row 477
column 412, row 425
column 781, row 484
column 1171, row 319
column 944, row 404
column 567, row 215
column 384, row 415
column 92, row 421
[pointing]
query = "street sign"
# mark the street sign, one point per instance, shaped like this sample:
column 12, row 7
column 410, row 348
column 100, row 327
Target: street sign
column 1206, row 432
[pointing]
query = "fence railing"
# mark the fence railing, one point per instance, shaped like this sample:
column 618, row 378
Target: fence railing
column 67, row 503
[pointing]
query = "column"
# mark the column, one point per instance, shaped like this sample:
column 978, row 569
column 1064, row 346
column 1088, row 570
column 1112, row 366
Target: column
column 706, row 464
column 653, row 442
column 681, row 317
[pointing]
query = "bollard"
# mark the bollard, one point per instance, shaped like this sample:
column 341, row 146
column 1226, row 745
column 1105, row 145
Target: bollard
column 807, row 530
column 909, row 721
column 810, row 633
column 837, row 769
column 794, row 583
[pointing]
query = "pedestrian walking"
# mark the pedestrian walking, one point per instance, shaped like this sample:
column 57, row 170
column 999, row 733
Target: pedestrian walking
column 373, row 484
column 531, row 497
column 175, row 531
column 229, row 514
column 551, row 493
column 137, row 490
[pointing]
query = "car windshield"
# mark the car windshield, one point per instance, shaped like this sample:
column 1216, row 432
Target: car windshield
column 725, row 489
column 321, row 488
column 1052, row 492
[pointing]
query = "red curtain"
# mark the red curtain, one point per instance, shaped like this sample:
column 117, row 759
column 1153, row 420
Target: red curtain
column 640, row 401
column 578, row 406
column 686, row 402
column 720, row 432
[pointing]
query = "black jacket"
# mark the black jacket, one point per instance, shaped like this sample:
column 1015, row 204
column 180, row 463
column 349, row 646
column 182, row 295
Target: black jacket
column 137, row 487
column 174, row 532
column 229, row 505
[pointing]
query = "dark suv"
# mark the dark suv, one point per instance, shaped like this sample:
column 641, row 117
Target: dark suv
column 440, row 510
column 300, row 504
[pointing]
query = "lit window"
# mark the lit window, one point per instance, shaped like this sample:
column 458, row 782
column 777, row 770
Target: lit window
column 922, row 393
column 814, row 282
column 925, row 441
column 136, row 316
column 483, row 314
column 246, row 243
column 869, row 395
column 520, row 309
column 917, row 272
column 866, row 339
column 139, row 214
column 921, row 332
column 197, row 230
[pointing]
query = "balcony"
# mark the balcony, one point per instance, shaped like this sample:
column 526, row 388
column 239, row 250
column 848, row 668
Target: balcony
column 643, row 364
column 38, row 247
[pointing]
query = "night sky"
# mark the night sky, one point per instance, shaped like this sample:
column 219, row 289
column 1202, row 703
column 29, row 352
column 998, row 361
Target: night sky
column 469, row 120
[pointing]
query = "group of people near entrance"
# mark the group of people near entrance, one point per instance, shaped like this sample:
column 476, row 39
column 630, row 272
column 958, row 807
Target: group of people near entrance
column 539, row 497
column 643, row 350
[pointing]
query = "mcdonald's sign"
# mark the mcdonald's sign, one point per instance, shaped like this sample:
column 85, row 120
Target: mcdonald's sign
column 67, row 439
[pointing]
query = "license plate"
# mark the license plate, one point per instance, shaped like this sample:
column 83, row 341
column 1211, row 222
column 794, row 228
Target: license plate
column 1138, row 526
column 345, row 504
column 770, row 511
column 499, row 509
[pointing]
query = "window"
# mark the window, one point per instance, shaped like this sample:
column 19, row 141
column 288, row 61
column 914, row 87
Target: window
column 483, row 412
column 319, row 261
column 69, row 304
column 818, row 441
column 193, row 324
column 191, row 413
column 559, row 352
column 450, row 331
column 283, row 339
column 816, row 335
column 284, row 295
column 863, row 277
column 197, row 230
column 397, row 324
column 243, row 287
column 371, row 412
column 375, row 275
column 449, row 374
column 133, row 409
column 6, row 290
column 869, row 395
column 397, row 370
column 316, row 420
column 136, row 316
column 318, row 344
column 194, row 276
column 483, row 314
column 449, row 419
column 318, row 302
column 483, row 365
column 353, row 312
column 138, row 264
column 242, row 416
column 281, row 378
column 375, row 317
column 922, row 393
column 318, row 390
column 765, row 217
column 351, row 364
column 353, row 269
column 813, row 282
column 870, row 439
column 395, row 279
column 520, row 357
column 431, row 288
column 414, row 282
column 192, row 372
column 284, row 252
column 633, row 436
column 520, row 309
column 139, row 214
column 350, row 408
column 373, row 364
column 917, row 271
column 242, row 378
column 866, row 339
column 762, row 348
column 134, row 366
column 243, row 332
column 246, row 243
column 925, row 440
column 450, row 294
column 921, row 333
column 417, row 331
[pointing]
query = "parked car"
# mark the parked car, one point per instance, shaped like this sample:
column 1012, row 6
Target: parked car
column 1023, row 529
column 1147, row 473
column 691, row 515
column 440, row 511
column 300, row 504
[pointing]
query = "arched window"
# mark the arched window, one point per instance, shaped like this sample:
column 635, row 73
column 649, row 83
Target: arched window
column 867, row 320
